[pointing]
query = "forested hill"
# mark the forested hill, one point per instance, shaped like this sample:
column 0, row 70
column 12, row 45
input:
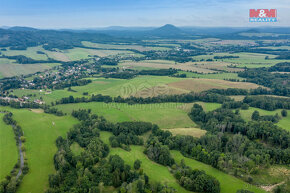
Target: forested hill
column 19, row 38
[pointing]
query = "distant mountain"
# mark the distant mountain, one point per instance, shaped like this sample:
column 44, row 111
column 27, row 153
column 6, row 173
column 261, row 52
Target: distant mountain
column 20, row 28
column 168, row 30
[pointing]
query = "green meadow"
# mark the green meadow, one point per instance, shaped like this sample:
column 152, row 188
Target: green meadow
column 284, row 122
column 8, row 149
column 40, row 134
column 165, row 115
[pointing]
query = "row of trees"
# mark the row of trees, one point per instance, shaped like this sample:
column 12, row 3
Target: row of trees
column 12, row 181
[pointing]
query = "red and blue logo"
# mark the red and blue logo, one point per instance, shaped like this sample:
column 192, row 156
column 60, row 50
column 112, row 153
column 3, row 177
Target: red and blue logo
column 263, row 15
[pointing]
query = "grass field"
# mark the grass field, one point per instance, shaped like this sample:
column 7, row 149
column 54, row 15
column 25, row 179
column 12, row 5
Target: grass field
column 8, row 149
column 40, row 134
column 249, row 60
column 195, row 132
column 10, row 68
column 229, row 184
column 283, row 123
column 166, row 115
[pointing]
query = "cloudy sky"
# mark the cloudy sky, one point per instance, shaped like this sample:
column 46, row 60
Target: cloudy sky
column 102, row 13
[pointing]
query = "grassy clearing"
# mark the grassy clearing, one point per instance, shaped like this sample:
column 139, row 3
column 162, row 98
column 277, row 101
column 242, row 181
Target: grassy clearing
column 238, row 97
column 272, row 175
column 40, row 134
column 284, row 122
column 166, row 115
column 229, row 184
column 195, row 132
column 76, row 148
column 8, row 149
column 209, row 106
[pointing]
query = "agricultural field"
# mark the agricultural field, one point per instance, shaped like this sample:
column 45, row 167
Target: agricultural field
column 8, row 148
column 284, row 122
column 9, row 68
column 199, row 85
column 141, row 86
column 40, row 134
column 165, row 115
column 165, row 64
column 249, row 60
column 30, row 52
column 123, row 46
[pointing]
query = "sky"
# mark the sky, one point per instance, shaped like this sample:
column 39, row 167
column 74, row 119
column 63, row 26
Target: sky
column 103, row 13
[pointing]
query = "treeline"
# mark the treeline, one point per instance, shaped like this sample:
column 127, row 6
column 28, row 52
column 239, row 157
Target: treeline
column 183, row 98
column 267, row 102
column 280, row 67
column 18, row 105
column 129, row 74
column 22, row 38
column 26, row 60
column 11, row 182
column 225, row 57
